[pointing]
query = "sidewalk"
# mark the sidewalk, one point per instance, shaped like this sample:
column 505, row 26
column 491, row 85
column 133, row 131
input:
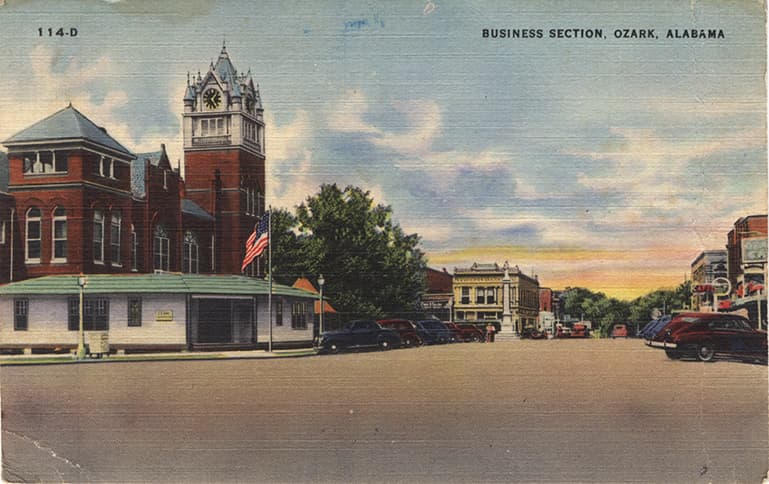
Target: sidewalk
column 52, row 359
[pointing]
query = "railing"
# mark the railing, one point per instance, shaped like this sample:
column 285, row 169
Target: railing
column 211, row 141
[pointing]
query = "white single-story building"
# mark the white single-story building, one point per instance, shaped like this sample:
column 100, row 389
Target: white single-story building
column 153, row 312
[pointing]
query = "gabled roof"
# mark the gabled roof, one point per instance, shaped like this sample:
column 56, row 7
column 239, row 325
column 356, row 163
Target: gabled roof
column 166, row 283
column 304, row 284
column 156, row 158
column 191, row 208
column 68, row 123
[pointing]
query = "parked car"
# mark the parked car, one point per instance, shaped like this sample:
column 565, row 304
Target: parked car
column 619, row 331
column 358, row 334
column 533, row 333
column 654, row 326
column 433, row 332
column 708, row 335
column 465, row 332
column 405, row 329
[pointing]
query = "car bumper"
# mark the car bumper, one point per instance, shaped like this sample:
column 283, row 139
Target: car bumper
column 662, row 344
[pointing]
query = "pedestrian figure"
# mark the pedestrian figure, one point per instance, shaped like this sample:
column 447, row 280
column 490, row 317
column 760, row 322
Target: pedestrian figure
column 490, row 333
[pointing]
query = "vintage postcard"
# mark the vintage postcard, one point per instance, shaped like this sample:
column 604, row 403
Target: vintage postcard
column 410, row 241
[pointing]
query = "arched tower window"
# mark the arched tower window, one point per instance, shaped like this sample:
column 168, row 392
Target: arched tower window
column 59, row 234
column 161, row 250
column 32, row 243
column 190, row 260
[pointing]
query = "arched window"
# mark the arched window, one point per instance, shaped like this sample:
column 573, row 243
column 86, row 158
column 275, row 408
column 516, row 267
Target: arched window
column 190, row 256
column 98, row 236
column 32, row 255
column 59, row 234
column 115, row 234
column 161, row 248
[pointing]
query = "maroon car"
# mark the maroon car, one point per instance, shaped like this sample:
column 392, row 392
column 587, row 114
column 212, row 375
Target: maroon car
column 465, row 332
column 707, row 335
column 406, row 330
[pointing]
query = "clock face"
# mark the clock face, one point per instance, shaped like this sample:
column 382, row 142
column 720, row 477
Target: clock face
column 212, row 98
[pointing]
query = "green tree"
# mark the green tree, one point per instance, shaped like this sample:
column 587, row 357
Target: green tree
column 288, row 259
column 370, row 265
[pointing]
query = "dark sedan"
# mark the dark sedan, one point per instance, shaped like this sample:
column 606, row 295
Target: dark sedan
column 708, row 335
column 465, row 332
column 358, row 334
column 433, row 332
column 405, row 329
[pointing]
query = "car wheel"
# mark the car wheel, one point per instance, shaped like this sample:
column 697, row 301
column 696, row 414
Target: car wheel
column 408, row 342
column 384, row 345
column 474, row 338
column 672, row 354
column 333, row 348
column 706, row 352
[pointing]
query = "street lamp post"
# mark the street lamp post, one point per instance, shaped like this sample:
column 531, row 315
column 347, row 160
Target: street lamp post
column 81, row 282
column 321, row 282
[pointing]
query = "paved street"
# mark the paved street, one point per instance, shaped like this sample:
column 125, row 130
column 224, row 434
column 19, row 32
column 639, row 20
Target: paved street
column 558, row 411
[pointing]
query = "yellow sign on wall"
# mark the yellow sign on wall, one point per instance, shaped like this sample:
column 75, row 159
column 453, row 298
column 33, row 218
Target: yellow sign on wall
column 164, row 315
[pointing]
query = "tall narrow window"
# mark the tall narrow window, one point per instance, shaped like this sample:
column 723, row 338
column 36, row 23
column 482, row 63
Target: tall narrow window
column 190, row 260
column 20, row 314
column 73, row 313
column 134, row 261
column 465, row 299
column 98, row 236
column 59, row 235
column 161, row 248
column 33, row 236
column 279, row 312
column 134, row 311
column 490, row 295
column 106, row 167
column 479, row 295
column 115, row 237
column 2, row 232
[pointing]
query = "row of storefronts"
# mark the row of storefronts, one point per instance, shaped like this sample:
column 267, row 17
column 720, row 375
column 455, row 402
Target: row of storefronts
column 733, row 279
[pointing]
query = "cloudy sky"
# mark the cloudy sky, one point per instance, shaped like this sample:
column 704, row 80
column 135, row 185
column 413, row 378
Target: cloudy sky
column 607, row 162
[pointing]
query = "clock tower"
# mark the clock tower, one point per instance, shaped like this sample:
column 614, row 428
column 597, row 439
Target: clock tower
column 223, row 125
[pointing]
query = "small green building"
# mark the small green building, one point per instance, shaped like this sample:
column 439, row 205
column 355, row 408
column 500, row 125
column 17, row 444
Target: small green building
column 154, row 312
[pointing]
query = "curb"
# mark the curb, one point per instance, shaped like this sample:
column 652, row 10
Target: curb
column 164, row 357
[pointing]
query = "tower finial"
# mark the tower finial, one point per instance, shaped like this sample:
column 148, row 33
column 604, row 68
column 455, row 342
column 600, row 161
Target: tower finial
column 224, row 43
column 188, row 78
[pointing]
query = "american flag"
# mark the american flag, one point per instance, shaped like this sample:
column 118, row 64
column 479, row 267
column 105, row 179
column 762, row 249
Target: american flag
column 257, row 241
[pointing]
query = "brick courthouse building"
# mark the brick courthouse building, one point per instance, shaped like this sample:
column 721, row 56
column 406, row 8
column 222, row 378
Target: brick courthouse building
column 78, row 201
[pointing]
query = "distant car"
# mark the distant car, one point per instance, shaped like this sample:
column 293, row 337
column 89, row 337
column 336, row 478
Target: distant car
column 619, row 331
column 465, row 332
column 358, row 334
column 405, row 329
column 708, row 335
column 433, row 331
column 533, row 333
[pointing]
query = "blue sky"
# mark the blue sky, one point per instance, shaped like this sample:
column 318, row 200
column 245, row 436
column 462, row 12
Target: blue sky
column 609, row 163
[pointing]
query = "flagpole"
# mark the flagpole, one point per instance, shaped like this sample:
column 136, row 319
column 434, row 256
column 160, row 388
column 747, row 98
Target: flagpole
column 269, row 280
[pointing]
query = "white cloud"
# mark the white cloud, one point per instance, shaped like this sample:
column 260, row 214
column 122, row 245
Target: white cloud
column 51, row 91
column 423, row 123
